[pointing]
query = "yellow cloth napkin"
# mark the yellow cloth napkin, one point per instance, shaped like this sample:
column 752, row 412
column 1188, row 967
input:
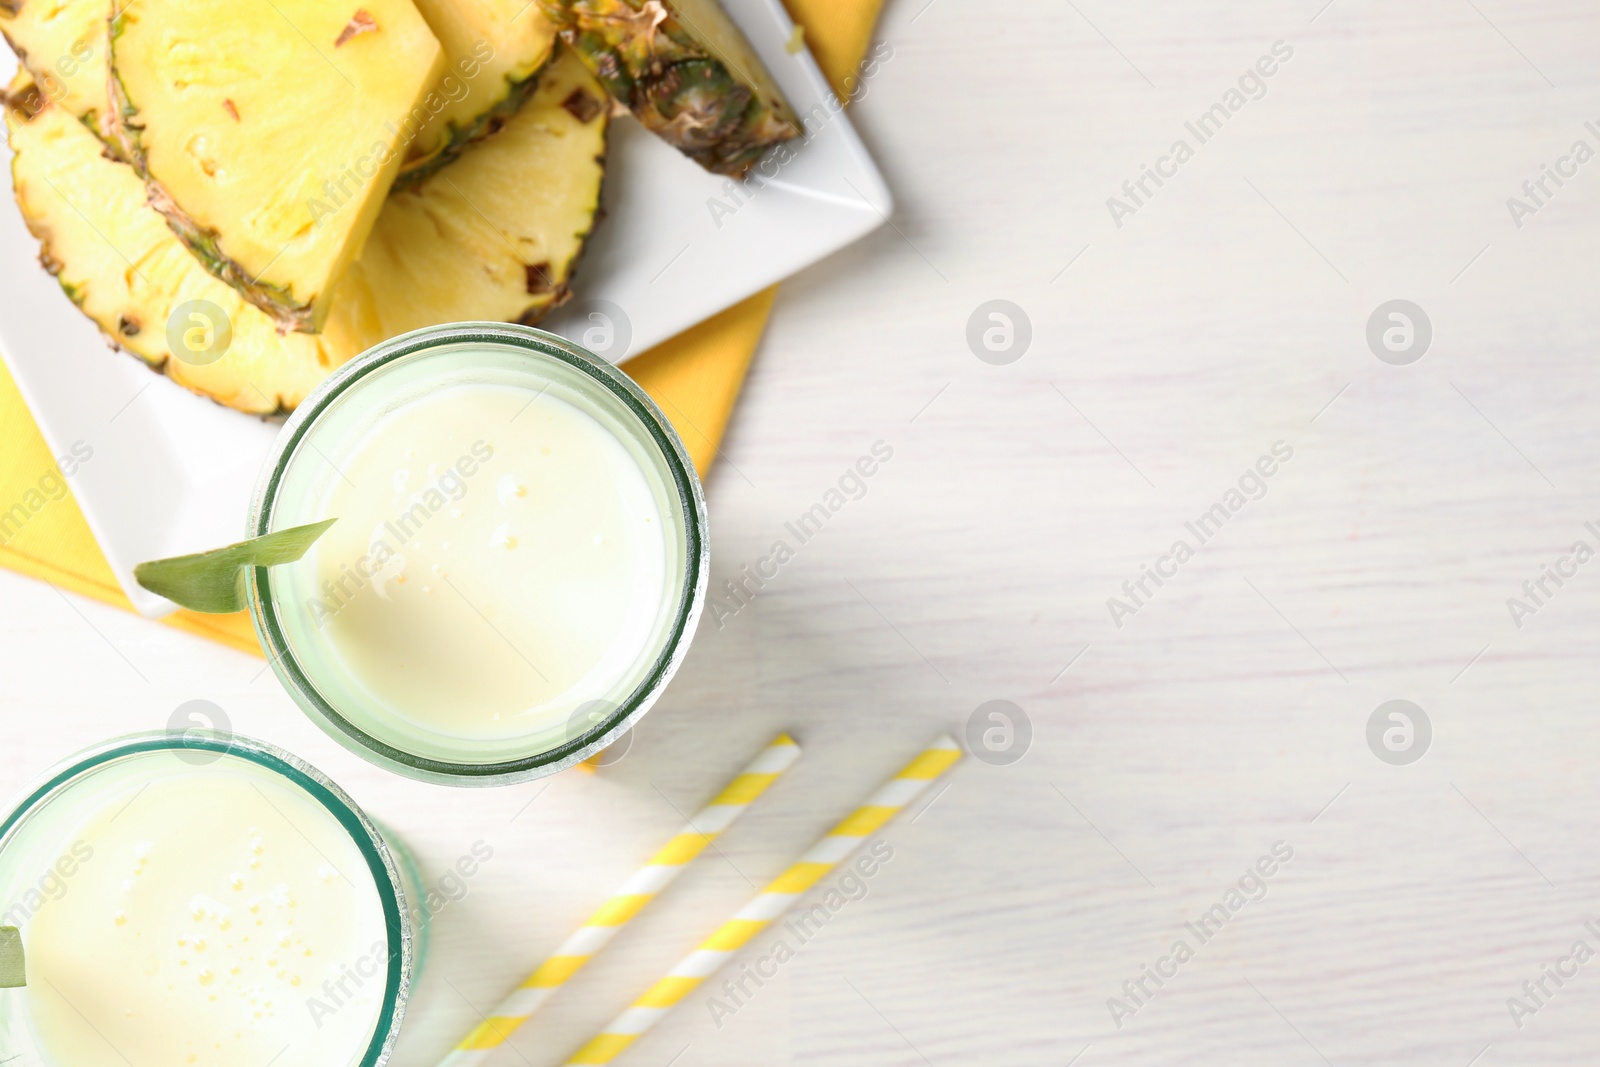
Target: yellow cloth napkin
column 695, row 377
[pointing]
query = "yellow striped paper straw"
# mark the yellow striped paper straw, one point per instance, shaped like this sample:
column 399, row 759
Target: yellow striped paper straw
column 769, row 904
column 627, row 902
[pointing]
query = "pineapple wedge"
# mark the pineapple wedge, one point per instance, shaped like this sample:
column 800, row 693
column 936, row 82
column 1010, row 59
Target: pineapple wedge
column 269, row 133
column 495, row 235
column 685, row 71
column 493, row 50
column 116, row 259
column 63, row 44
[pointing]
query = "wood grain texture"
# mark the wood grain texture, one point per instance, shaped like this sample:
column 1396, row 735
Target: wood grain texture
column 1229, row 713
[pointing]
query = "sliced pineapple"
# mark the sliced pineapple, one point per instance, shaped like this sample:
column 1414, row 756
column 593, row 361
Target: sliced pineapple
column 269, row 133
column 122, row 266
column 685, row 71
column 63, row 44
column 493, row 236
column 493, row 49
column 496, row 234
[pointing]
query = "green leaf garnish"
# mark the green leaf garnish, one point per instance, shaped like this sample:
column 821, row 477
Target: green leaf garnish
column 12, row 972
column 214, row 582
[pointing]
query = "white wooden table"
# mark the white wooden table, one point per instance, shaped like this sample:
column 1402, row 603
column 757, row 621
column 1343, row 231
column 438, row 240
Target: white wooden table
column 1227, row 313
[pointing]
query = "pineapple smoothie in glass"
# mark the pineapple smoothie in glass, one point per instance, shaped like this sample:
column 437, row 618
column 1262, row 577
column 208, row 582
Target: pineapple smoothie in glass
column 200, row 900
column 517, row 565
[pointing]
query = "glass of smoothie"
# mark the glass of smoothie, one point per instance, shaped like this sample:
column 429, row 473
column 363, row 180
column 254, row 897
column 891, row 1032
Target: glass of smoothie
column 518, row 562
column 201, row 900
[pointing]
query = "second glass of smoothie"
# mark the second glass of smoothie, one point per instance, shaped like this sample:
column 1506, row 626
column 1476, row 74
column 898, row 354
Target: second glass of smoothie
column 202, row 900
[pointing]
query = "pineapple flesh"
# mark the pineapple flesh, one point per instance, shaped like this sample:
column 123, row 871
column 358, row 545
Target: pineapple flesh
column 497, row 234
column 494, row 236
column 493, row 49
column 123, row 268
column 269, row 134
column 686, row 72
column 63, row 45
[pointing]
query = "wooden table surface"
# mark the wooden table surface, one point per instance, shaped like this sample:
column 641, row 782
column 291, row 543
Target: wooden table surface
column 1227, row 714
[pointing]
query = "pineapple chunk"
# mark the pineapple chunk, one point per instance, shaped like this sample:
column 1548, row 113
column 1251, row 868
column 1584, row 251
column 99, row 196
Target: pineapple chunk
column 686, row 72
column 496, row 234
column 493, row 49
column 125, row 270
column 63, row 44
column 268, row 134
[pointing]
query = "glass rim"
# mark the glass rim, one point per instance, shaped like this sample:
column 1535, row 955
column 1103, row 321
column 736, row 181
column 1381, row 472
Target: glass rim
column 686, row 613
column 363, row 833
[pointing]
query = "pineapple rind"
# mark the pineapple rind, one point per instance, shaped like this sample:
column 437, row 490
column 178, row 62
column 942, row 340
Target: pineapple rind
column 693, row 80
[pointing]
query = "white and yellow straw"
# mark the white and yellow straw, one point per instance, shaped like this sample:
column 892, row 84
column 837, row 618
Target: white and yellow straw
column 627, row 902
column 769, row 904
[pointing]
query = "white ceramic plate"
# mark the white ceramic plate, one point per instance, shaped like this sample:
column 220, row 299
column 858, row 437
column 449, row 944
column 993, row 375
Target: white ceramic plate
column 172, row 472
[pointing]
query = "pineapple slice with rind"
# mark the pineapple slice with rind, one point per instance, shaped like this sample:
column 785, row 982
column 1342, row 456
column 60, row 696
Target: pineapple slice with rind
column 494, row 236
column 497, row 234
column 124, row 269
column 63, row 44
column 686, row 72
column 269, row 133
column 493, row 50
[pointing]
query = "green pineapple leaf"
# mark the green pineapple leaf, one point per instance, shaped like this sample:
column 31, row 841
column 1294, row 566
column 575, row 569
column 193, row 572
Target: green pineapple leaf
column 12, row 972
column 214, row 582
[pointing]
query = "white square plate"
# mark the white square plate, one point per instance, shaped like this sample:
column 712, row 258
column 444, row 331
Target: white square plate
column 172, row 472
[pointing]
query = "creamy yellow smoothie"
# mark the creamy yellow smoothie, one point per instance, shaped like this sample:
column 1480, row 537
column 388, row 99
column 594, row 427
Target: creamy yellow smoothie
column 517, row 562
column 213, row 914
column 489, row 527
